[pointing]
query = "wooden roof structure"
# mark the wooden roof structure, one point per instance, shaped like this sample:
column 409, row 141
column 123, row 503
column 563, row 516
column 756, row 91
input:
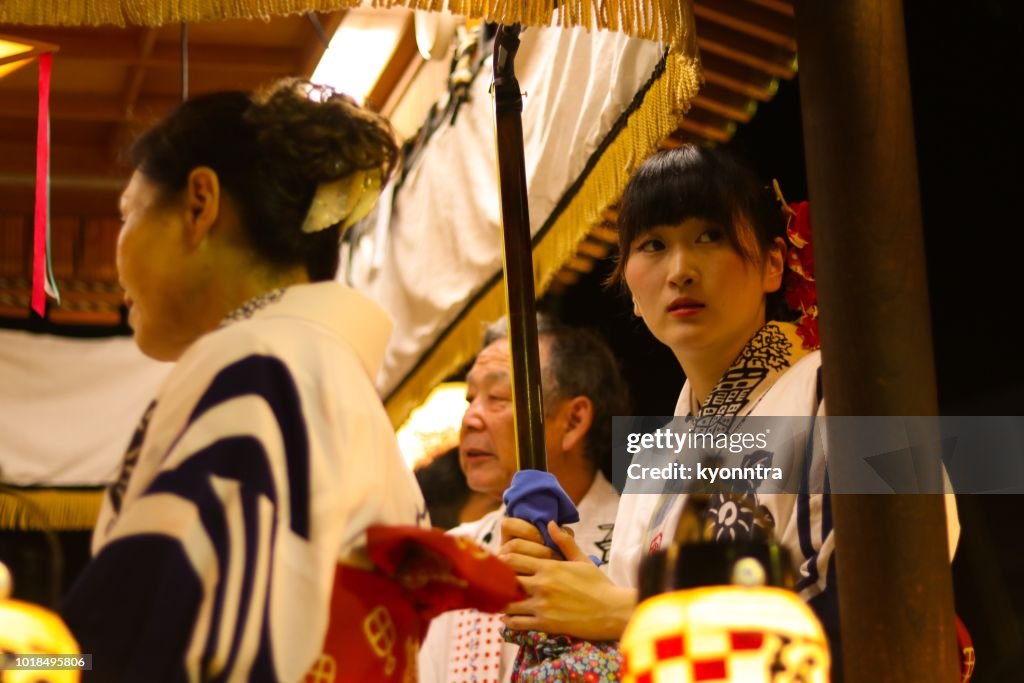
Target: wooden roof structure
column 108, row 83
column 746, row 47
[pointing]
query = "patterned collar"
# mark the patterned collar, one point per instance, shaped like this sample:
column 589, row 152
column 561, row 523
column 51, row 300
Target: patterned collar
column 250, row 307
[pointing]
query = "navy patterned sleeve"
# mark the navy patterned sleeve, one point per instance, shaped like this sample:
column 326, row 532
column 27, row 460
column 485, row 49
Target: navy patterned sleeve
column 182, row 588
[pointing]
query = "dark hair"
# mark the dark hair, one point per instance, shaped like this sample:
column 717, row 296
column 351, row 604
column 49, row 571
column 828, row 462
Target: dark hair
column 444, row 488
column 701, row 182
column 270, row 151
column 579, row 364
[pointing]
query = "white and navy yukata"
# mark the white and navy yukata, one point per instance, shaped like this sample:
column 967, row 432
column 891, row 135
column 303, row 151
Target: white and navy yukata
column 258, row 468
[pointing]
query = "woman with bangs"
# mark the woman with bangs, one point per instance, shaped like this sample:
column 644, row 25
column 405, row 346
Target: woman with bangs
column 702, row 251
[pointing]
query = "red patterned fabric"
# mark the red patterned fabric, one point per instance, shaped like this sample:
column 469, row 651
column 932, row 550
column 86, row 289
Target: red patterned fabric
column 379, row 617
column 966, row 649
column 442, row 572
column 801, row 290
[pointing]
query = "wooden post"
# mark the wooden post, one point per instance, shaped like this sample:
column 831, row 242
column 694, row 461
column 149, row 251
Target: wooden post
column 517, row 254
column 895, row 585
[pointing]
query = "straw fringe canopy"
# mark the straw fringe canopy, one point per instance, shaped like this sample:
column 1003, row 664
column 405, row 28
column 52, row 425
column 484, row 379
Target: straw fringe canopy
column 667, row 21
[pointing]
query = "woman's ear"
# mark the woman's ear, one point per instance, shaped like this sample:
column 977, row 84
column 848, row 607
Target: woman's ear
column 774, row 266
column 202, row 203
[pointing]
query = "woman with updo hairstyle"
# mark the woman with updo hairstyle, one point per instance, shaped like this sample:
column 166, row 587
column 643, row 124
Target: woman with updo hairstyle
column 267, row 452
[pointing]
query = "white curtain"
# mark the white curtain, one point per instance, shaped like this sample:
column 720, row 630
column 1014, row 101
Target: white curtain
column 68, row 407
column 444, row 239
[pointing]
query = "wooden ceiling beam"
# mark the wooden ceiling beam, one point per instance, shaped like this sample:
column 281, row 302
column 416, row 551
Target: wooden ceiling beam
column 133, row 86
column 138, row 72
column 723, row 102
column 116, row 47
column 750, row 19
column 75, row 107
column 735, row 46
column 738, row 78
column 580, row 264
column 594, row 248
column 86, row 162
column 710, row 130
column 74, row 201
column 247, row 58
column 604, row 234
column 780, row 6
column 23, row 105
column 112, row 44
column 685, row 136
column 566, row 276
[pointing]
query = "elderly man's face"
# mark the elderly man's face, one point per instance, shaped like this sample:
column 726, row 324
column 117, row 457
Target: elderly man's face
column 487, row 439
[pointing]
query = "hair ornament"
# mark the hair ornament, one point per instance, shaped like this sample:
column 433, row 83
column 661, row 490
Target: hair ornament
column 346, row 200
column 801, row 289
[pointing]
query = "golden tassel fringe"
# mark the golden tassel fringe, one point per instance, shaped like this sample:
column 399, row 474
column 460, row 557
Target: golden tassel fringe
column 655, row 118
column 666, row 21
column 55, row 509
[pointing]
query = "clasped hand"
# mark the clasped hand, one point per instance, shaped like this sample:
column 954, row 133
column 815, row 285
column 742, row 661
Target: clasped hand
column 571, row 597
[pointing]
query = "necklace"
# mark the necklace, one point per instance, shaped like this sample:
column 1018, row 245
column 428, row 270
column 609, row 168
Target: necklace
column 250, row 307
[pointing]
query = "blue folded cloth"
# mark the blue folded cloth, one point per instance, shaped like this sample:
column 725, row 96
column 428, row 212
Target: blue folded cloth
column 537, row 497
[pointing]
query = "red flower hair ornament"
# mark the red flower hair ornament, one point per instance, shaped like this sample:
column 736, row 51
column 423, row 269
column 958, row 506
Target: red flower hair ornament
column 801, row 292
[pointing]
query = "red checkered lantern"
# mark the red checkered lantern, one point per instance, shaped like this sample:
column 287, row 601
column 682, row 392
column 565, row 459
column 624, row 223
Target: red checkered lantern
column 725, row 633
column 28, row 629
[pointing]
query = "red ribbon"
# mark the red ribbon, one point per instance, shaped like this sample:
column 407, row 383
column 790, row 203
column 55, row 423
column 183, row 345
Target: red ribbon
column 42, row 217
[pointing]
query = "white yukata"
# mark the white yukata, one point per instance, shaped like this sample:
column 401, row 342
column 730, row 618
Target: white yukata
column 258, row 468
column 773, row 376
column 466, row 645
column 799, row 525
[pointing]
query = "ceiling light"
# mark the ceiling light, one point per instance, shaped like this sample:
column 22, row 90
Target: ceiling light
column 17, row 52
column 359, row 51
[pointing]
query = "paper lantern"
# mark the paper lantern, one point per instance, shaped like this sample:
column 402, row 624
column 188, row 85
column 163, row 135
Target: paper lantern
column 721, row 612
column 725, row 633
column 27, row 629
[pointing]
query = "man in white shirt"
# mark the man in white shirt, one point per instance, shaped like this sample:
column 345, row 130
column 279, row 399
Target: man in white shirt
column 582, row 390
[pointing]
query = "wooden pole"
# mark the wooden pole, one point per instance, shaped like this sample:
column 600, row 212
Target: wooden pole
column 184, row 61
column 517, row 254
column 895, row 586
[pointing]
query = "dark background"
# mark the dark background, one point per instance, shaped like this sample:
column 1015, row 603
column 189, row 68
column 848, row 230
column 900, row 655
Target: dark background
column 967, row 72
